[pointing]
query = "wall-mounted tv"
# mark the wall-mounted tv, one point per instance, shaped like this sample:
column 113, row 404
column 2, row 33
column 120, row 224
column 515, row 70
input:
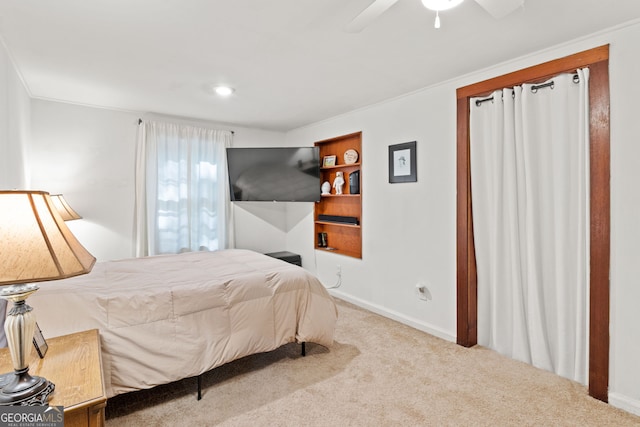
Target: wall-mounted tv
column 274, row 174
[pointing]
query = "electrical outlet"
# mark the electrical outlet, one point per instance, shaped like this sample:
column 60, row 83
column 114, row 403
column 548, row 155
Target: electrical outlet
column 422, row 291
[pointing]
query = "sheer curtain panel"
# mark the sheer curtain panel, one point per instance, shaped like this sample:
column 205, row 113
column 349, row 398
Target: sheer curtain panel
column 530, row 184
column 182, row 192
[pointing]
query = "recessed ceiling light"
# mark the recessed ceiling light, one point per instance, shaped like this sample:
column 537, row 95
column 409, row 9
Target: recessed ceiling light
column 223, row 90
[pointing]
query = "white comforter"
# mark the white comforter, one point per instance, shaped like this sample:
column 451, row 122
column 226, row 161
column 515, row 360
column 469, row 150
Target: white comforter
column 165, row 318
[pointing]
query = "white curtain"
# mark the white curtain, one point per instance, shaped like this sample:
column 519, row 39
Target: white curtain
column 529, row 178
column 182, row 191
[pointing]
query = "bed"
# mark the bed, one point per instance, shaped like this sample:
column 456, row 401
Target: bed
column 169, row 317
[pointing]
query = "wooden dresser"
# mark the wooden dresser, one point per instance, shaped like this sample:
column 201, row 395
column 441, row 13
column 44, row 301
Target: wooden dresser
column 74, row 364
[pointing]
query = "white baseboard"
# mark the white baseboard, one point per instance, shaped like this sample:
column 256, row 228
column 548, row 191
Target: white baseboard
column 399, row 317
column 625, row 403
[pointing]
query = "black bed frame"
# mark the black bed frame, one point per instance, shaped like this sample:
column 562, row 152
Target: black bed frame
column 304, row 353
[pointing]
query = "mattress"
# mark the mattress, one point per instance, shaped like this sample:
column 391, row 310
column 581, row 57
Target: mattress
column 169, row 317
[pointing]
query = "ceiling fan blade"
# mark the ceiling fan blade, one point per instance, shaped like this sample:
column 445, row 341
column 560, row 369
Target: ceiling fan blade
column 500, row 8
column 375, row 9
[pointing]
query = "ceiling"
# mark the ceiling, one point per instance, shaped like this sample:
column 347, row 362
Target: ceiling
column 290, row 61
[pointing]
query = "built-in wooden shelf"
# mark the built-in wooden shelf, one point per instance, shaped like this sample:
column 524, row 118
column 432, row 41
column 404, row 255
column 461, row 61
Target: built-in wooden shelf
column 337, row 224
column 343, row 166
column 341, row 252
column 342, row 238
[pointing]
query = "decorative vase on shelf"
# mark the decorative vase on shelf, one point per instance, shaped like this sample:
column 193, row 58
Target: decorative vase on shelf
column 326, row 188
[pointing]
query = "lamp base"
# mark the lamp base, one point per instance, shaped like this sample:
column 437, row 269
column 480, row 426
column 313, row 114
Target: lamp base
column 21, row 389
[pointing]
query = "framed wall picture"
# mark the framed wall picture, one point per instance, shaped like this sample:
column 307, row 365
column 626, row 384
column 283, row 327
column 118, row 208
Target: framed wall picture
column 402, row 162
column 328, row 161
column 39, row 342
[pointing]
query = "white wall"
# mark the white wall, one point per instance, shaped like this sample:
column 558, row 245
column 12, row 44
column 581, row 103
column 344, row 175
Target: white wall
column 88, row 154
column 14, row 126
column 625, row 212
column 409, row 229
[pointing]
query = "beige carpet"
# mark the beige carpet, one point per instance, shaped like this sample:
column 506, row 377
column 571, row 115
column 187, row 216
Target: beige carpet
column 378, row 373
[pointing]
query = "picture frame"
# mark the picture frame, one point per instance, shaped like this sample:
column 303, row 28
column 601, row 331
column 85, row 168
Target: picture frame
column 328, row 161
column 39, row 342
column 403, row 163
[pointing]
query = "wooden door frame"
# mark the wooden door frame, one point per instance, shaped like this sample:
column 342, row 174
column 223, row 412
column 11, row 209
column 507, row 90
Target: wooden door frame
column 597, row 60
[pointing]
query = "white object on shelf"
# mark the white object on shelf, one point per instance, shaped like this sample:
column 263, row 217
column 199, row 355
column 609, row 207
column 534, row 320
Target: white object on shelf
column 350, row 156
column 326, row 188
column 338, row 182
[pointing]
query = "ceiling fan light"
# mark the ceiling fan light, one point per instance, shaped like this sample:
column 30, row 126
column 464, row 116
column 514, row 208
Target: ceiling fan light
column 437, row 23
column 441, row 4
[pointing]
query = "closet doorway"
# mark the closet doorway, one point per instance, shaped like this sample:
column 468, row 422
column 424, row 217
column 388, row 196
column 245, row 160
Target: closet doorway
column 597, row 60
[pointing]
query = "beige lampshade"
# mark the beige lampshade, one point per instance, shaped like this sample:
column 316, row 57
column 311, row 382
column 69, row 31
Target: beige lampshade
column 65, row 211
column 35, row 243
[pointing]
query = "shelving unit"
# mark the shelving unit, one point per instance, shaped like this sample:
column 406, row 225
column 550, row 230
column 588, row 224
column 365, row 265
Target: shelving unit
column 342, row 238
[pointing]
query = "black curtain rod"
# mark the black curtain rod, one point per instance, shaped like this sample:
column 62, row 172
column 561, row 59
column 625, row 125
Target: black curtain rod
column 480, row 101
column 534, row 89
column 140, row 122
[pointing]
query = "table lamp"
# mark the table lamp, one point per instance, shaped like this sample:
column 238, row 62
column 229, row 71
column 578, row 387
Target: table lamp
column 35, row 246
column 66, row 212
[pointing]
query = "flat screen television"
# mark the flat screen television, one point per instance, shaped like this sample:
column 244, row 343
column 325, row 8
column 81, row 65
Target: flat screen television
column 274, row 174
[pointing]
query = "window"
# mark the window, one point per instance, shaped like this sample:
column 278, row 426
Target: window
column 182, row 201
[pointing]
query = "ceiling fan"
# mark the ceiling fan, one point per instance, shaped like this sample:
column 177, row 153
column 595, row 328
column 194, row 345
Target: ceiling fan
column 496, row 8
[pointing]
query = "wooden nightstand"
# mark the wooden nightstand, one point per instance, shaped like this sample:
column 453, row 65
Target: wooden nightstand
column 74, row 364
